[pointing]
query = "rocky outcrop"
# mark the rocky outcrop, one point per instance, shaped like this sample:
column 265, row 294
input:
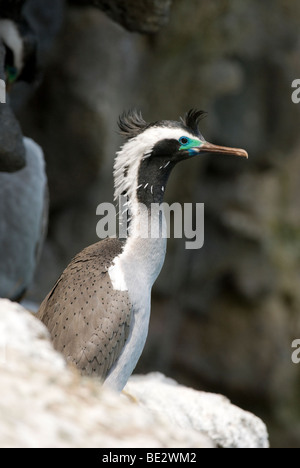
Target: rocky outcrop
column 213, row 415
column 46, row 404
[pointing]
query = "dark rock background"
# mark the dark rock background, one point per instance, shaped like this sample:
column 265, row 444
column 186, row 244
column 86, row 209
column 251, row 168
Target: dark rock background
column 223, row 317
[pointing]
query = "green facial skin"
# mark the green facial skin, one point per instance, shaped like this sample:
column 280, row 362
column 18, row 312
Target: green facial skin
column 190, row 145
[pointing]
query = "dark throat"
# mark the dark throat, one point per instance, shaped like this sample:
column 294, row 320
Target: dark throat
column 152, row 180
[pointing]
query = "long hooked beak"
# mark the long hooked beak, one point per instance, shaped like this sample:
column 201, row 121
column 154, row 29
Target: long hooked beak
column 210, row 148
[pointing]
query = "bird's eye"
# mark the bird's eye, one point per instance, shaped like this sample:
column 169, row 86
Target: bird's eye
column 184, row 140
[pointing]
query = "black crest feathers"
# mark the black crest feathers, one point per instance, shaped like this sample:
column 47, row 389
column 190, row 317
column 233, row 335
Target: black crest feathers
column 193, row 118
column 131, row 123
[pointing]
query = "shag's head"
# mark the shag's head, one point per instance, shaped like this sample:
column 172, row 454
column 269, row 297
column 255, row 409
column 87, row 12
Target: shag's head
column 20, row 50
column 144, row 163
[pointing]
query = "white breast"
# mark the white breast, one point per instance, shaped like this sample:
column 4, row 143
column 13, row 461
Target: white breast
column 134, row 271
column 117, row 276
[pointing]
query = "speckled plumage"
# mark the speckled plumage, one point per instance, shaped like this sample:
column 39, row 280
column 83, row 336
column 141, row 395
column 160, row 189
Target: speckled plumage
column 88, row 320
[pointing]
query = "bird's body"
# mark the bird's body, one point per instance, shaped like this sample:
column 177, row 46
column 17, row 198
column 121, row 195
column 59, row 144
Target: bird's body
column 18, row 62
column 23, row 181
column 98, row 312
column 23, row 219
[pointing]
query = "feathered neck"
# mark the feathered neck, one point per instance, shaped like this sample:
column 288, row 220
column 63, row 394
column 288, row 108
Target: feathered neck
column 139, row 185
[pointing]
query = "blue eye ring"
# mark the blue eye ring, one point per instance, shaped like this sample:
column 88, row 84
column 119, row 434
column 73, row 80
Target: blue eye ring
column 184, row 140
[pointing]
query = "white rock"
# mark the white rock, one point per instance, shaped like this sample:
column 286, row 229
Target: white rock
column 227, row 425
column 46, row 404
column 21, row 332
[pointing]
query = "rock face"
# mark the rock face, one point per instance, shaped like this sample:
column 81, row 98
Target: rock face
column 146, row 17
column 46, row 404
column 224, row 317
column 227, row 425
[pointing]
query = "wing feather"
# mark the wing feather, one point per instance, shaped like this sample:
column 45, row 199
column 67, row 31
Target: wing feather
column 88, row 320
